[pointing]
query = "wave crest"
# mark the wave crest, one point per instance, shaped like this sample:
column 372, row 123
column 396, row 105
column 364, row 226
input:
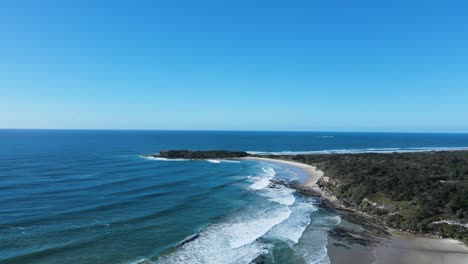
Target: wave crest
column 351, row 151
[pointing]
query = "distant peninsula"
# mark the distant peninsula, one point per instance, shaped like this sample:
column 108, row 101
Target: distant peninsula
column 208, row 154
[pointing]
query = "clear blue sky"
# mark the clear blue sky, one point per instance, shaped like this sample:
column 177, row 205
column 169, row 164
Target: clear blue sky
column 235, row 65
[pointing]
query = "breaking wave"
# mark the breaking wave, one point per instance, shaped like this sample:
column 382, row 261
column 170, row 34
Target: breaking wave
column 161, row 159
column 263, row 180
column 350, row 151
column 232, row 242
column 249, row 234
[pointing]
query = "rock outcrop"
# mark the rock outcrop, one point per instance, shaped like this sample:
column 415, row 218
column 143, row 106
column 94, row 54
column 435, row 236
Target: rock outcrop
column 208, row 154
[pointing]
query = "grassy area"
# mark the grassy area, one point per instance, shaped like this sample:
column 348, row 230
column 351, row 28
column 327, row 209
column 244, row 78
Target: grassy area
column 407, row 209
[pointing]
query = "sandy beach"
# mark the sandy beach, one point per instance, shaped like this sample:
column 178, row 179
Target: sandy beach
column 391, row 247
column 313, row 175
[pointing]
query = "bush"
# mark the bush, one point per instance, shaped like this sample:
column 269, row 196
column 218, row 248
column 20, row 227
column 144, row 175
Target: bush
column 419, row 186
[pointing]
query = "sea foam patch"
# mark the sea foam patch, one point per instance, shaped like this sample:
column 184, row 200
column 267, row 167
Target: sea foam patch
column 162, row 159
column 350, row 151
column 315, row 239
column 279, row 194
column 291, row 229
column 217, row 161
column 264, row 179
column 234, row 241
column 246, row 235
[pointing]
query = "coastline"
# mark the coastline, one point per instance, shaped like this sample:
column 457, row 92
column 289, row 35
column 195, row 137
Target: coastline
column 313, row 176
column 389, row 246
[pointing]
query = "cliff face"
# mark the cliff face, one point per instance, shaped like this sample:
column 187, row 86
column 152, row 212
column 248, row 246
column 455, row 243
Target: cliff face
column 209, row 154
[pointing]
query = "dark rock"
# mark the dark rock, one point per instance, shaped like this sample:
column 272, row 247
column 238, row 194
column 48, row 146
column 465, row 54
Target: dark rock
column 209, row 154
column 341, row 245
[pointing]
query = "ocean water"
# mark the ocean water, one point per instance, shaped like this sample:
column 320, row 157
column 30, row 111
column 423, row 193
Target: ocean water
column 83, row 196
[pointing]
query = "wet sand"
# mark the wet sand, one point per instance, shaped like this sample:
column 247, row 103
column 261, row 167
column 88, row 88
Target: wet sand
column 397, row 247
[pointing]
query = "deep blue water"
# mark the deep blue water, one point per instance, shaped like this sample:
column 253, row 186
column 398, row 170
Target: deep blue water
column 83, row 196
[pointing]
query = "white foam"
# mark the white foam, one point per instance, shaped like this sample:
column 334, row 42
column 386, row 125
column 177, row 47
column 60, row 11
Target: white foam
column 260, row 184
column 279, row 194
column 230, row 242
column 166, row 159
column 292, row 229
column 367, row 150
column 162, row 159
column 313, row 243
column 142, row 261
column 269, row 172
column 223, row 161
column 230, row 161
column 246, row 232
column 318, row 253
column 264, row 179
column 237, row 239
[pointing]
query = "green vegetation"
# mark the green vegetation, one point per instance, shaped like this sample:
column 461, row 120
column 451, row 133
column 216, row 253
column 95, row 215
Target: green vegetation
column 201, row 154
column 408, row 191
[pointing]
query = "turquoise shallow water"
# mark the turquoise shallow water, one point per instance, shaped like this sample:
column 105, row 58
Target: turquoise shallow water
column 89, row 196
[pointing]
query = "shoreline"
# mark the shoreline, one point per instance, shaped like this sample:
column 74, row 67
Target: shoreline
column 313, row 176
column 397, row 247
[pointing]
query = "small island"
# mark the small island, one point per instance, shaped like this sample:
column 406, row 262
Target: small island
column 207, row 154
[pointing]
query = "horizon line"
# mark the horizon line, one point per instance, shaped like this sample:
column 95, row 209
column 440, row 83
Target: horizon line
column 234, row 130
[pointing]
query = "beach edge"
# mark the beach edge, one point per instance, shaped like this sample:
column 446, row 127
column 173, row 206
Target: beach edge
column 399, row 247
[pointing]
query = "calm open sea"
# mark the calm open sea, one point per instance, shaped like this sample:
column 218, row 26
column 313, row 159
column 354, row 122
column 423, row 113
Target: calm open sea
column 83, row 196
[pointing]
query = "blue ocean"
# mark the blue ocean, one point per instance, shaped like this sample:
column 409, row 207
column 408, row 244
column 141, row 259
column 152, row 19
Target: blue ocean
column 86, row 196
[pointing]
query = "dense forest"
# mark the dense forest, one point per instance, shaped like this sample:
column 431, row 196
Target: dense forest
column 425, row 192
column 201, row 154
